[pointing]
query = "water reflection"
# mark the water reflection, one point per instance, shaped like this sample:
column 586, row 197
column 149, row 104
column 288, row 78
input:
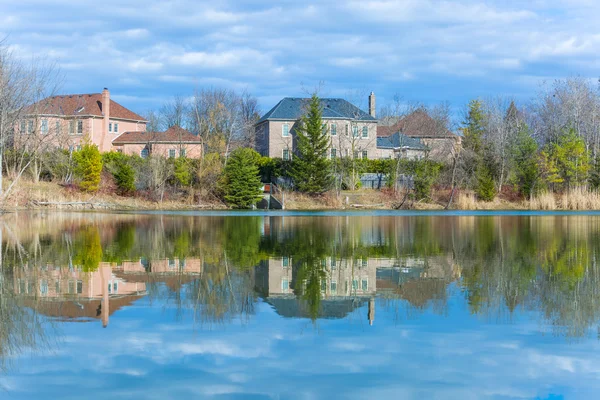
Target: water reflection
column 212, row 270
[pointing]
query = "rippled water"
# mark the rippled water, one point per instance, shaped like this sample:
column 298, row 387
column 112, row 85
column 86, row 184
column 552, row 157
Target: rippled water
column 299, row 305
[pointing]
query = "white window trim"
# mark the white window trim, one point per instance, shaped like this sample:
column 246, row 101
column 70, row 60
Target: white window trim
column 287, row 128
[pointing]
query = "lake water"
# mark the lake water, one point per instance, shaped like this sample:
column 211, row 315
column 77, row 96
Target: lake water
column 380, row 305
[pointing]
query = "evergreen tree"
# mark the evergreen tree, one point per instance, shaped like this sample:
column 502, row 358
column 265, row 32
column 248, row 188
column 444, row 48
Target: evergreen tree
column 524, row 159
column 311, row 170
column 125, row 177
column 242, row 186
column 88, row 166
column 474, row 128
column 595, row 173
column 571, row 159
column 486, row 189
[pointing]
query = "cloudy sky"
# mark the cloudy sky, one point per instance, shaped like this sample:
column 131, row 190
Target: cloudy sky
column 422, row 50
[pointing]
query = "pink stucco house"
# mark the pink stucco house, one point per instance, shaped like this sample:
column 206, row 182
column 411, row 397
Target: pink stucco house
column 174, row 142
column 67, row 119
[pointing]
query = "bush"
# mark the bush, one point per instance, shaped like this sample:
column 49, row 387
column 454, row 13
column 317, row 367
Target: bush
column 122, row 170
column 88, row 167
column 486, row 188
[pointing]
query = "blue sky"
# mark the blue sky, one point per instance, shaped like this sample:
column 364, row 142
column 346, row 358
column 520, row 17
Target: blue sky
column 422, row 50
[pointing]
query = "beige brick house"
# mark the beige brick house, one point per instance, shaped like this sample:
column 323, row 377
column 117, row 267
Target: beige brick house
column 353, row 132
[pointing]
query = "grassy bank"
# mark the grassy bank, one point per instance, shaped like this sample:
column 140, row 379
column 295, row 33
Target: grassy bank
column 47, row 195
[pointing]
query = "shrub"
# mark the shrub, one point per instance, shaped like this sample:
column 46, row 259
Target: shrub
column 88, row 166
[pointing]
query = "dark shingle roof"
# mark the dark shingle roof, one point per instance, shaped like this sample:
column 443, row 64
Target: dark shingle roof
column 174, row 134
column 292, row 108
column 81, row 104
column 398, row 140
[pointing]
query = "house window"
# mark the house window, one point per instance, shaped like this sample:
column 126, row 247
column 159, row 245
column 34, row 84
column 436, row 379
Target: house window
column 333, row 287
column 286, row 154
column 57, row 287
column 109, row 287
column 45, row 126
column 23, row 126
column 57, row 127
column 333, row 130
column 285, row 262
column 116, row 128
column 285, row 285
column 44, row 287
column 115, row 287
column 347, row 129
column 144, row 152
column 365, row 285
column 285, row 130
column 72, row 127
column 365, row 132
column 355, row 154
column 181, row 152
column 355, row 284
column 354, row 131
column 365, row 154
column 71, row 287
column 30, row 126
column 79, row 127
column 110, row 126
column 182, row 263
column 79, row 287
column 323, row 285
column 172, row 153
column 171, row 263
column 333, row 153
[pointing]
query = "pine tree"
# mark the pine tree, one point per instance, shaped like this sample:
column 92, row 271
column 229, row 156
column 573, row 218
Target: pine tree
column 88, row 166
column 486, row 189
column 474, row 128
column 242, row 184
column 524, row 159
column 311, row 170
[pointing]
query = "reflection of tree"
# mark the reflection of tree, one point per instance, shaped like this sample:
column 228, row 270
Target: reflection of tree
column 87, row 249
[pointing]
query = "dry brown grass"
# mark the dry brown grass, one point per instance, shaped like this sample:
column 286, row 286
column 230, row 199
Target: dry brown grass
column 468, row 201
column 543, row 201
column 580, row 199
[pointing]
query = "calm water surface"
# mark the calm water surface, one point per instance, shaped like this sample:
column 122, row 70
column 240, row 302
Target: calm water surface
column 299, row 306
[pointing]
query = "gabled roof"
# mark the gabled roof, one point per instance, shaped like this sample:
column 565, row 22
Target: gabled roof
column 174, row 134
column 292, row 108
column 398, row 140
column 81, row 104
column 417, row 124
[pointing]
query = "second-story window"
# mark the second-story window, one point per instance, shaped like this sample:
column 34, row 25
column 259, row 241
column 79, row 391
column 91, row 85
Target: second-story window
column 171, row 153
column 22, row 126
column 365, row 132
column 181, row 152
column 116, row 127
column 57, row 128
column 354, row 131
column 79, row 127
column 285, row 130
column 333, row 129
column 110, row 126
column 71, row 127
column 30, row 126
column 45, row 126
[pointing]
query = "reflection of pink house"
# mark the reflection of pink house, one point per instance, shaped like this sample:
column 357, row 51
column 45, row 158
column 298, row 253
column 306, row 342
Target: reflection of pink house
column 65, row 120
column 174, row 142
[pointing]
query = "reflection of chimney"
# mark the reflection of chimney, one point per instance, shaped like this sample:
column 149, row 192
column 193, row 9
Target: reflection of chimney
column 106, row 113
column 372, row 104
column 106, row 273
column 371, row 314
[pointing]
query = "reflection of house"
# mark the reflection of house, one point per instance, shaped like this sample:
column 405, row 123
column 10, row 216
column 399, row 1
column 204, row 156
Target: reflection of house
column 352, row 131
column 351, row 283
column 174, row 142
column 71, row 293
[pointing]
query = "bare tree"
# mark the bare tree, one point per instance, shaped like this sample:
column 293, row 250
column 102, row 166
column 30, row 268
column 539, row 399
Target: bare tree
column 174, row 113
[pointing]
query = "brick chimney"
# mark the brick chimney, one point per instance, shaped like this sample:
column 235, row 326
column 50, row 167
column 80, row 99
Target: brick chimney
column 106, row 113
column 372, row 104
